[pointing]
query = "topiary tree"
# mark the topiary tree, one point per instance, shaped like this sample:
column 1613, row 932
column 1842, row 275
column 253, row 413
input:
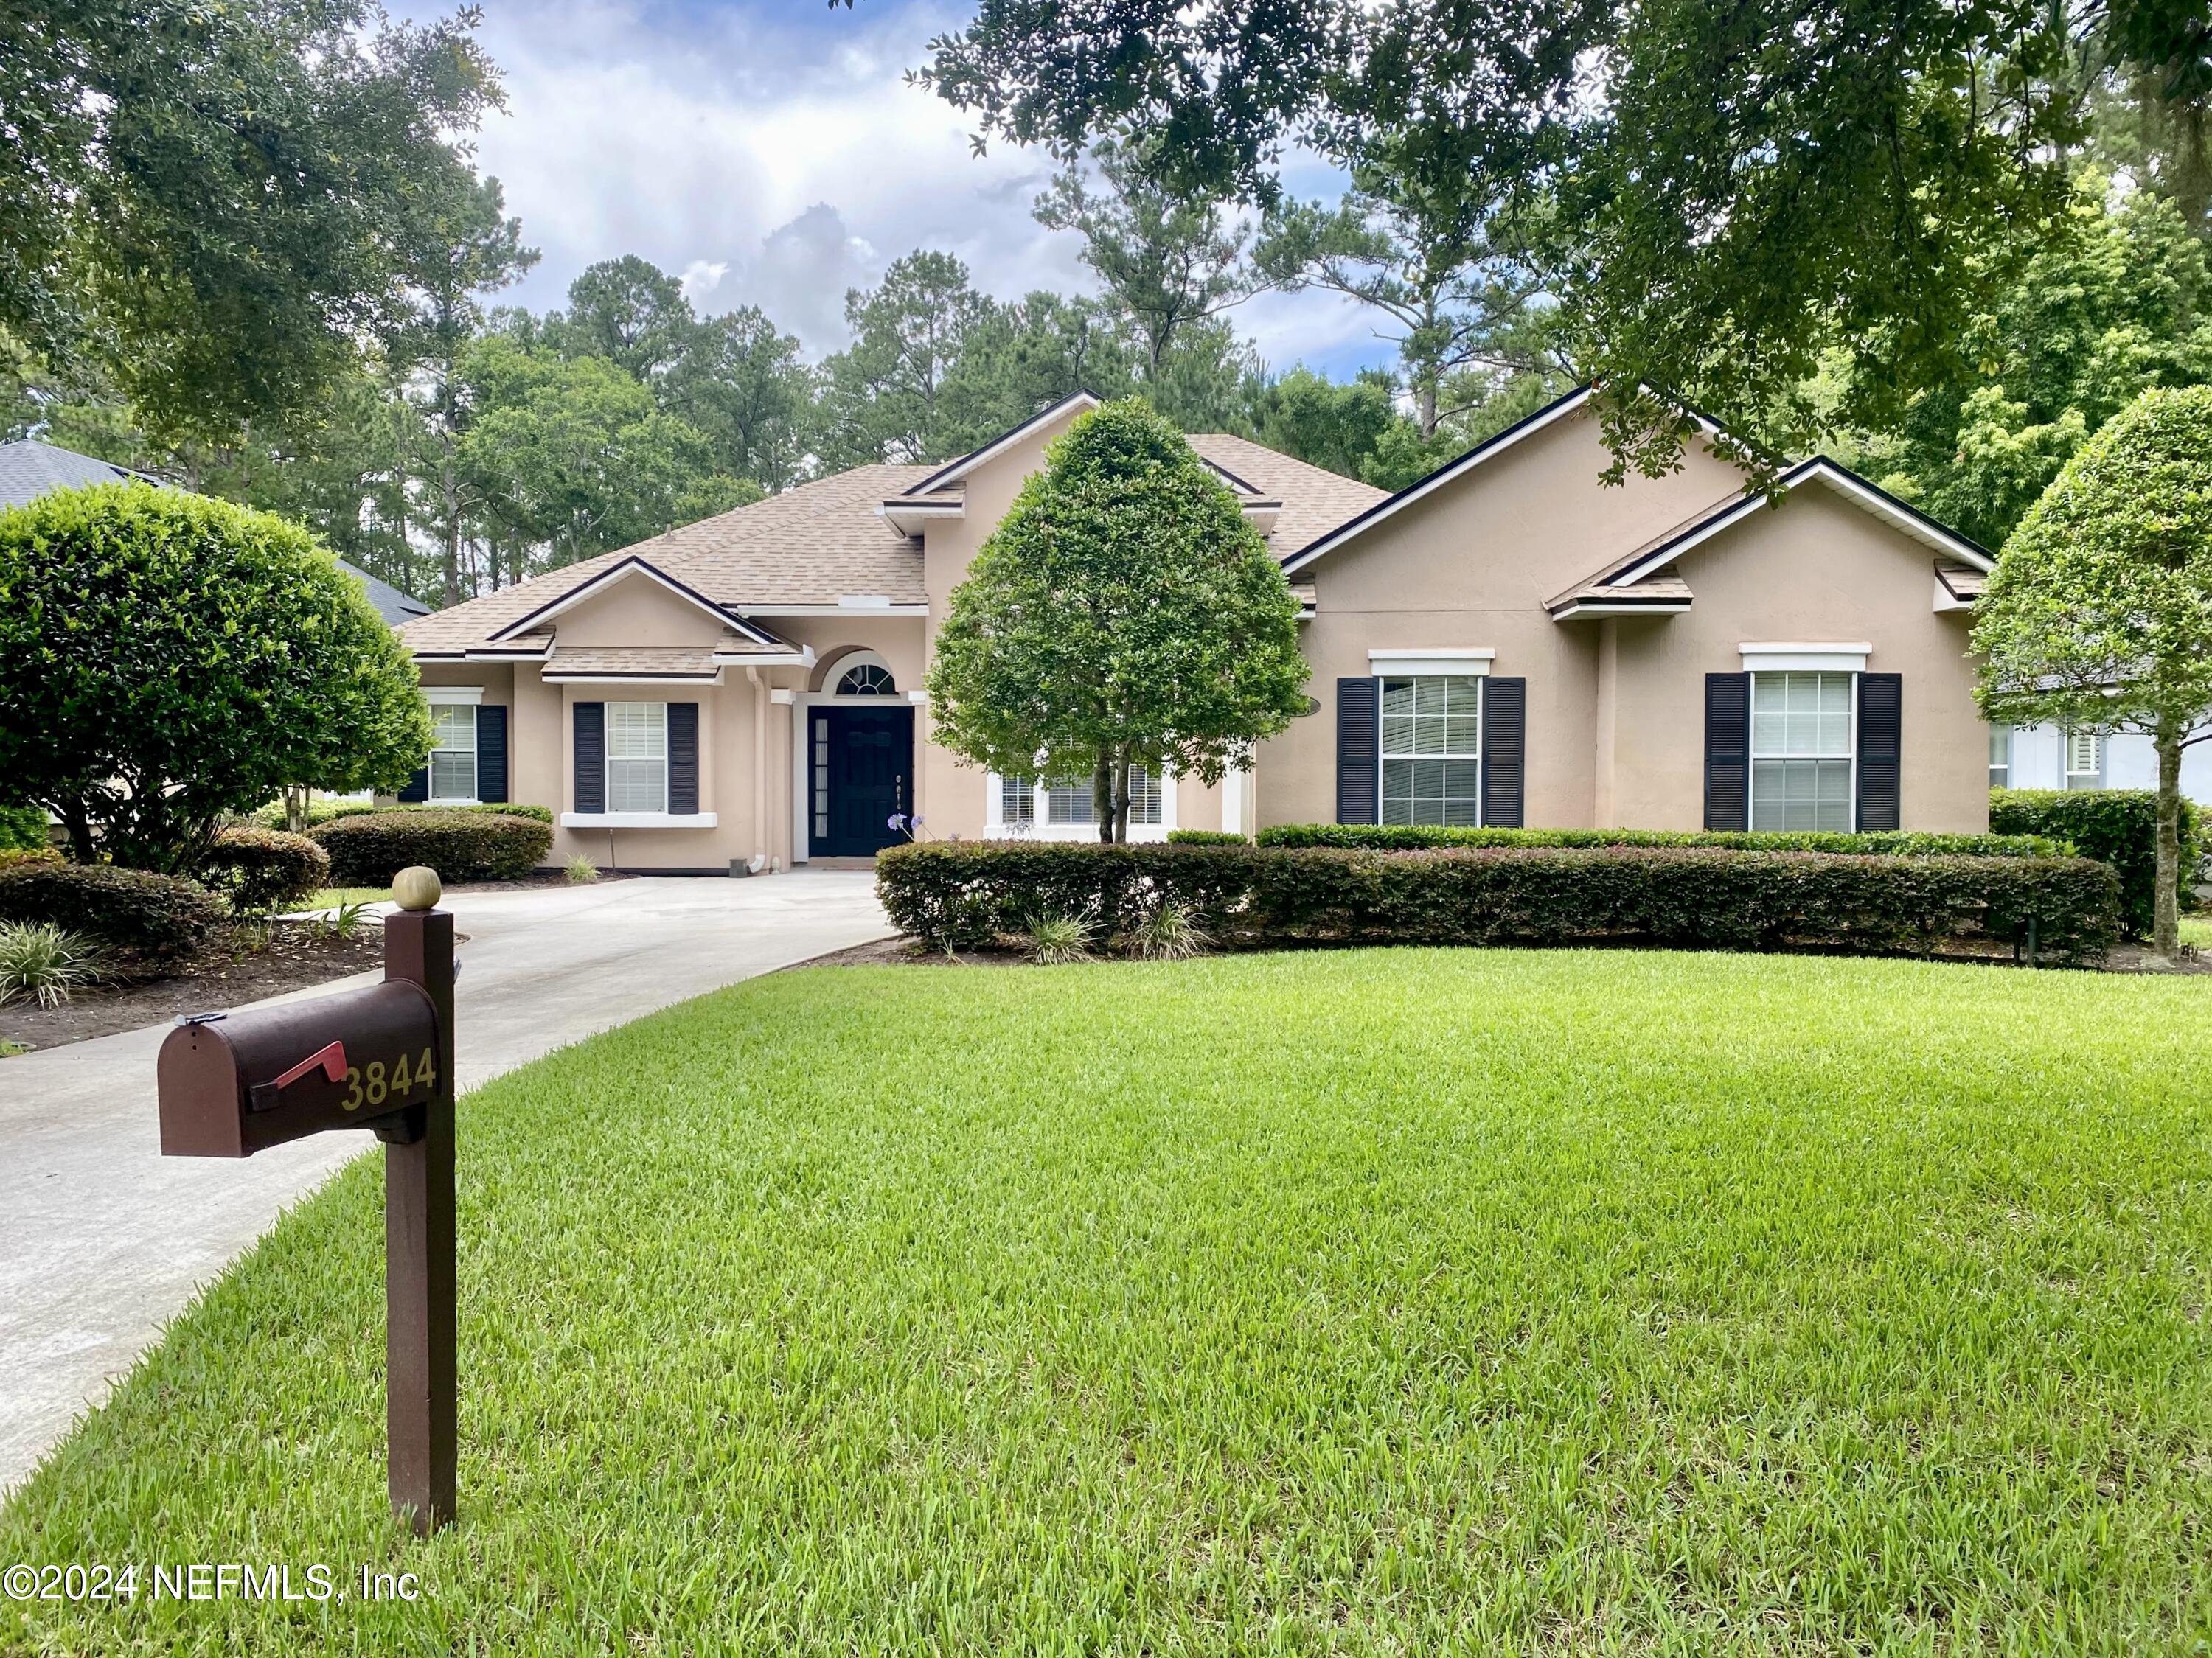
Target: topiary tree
column 2099, row 612
column 166, row 660
column 1123, row 614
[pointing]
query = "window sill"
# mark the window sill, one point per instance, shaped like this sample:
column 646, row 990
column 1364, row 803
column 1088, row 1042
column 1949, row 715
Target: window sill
column 606, row 820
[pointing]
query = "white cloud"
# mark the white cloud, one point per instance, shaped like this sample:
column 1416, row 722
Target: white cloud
column 772, row 155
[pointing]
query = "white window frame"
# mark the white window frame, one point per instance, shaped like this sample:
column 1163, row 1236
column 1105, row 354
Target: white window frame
column 2001, row 739
column 440, row 707
column 2067, row 735
column 998, row 826
column 640, row 763
column 1851, row 755
column 1433, row 667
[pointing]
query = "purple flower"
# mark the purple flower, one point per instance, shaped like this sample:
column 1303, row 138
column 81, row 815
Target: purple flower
column 898, row 821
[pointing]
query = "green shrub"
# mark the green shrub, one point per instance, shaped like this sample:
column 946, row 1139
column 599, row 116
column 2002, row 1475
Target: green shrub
column 17, row 857
column 262, row 871
column 149, row 922
column 22, row 829
column 581, row 870
column 1059, row 940
column 329, row 811
column 952, row 894
column 1207, row 838
column 1880, row 843
column 42, row 962
column 368, row 850
column 1168, row 933
column 2117, row 827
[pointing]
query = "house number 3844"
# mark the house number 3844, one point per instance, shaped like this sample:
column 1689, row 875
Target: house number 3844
column 376, row 1083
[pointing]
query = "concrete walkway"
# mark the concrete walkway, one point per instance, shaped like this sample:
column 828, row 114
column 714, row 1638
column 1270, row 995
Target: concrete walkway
column 103, row 1240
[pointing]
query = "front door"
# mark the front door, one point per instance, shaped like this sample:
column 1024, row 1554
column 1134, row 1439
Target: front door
column 863, row 776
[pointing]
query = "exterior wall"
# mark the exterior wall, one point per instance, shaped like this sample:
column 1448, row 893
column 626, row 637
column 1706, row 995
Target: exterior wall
column 2038, row 761
column 1470, row 567
column 1615, row 733
column 1820, row 570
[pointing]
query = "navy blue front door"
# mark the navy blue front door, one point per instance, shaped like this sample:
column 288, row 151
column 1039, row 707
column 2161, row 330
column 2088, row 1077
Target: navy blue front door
column 863, row 775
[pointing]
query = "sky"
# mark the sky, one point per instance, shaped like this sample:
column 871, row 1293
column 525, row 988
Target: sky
column 770, row 153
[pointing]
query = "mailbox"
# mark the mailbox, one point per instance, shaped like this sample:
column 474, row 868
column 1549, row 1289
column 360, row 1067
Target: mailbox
column 236, row 1083
column 380, row 1059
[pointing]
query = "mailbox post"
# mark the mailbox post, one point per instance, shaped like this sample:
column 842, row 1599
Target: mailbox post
column 380, row 1059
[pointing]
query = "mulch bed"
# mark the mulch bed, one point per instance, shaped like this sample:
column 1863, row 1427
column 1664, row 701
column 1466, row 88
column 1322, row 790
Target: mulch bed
column 226, row 975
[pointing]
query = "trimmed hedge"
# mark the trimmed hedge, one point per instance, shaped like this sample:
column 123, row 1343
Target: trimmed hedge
column 366, row 850
column 1207, row 838
column 261, row 870
column 147, row 922
column 17, row 857
column 971, row 894
column 329, row 811
column 1880, row 843
column 2117, row 827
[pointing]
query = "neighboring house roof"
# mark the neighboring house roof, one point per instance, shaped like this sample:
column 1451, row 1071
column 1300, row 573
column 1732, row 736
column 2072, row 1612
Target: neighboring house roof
column 28, row 468
column 828, row 546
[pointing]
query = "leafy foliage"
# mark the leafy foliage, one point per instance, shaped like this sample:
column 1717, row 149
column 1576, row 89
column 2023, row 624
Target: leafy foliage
column 2117, row 827
column 149, row 923
column 1058, row 938
column 1893, row 843
column 952, row 894
column 324, row 811
column 42, row 962
column 2099, row 613
column 22, row 829
column 166, row 660
column 461, row 846
column 262, row 871
column 1123, row 614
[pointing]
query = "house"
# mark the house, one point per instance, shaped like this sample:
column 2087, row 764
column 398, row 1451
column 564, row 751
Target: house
column 1507, row 641
column 28, row 468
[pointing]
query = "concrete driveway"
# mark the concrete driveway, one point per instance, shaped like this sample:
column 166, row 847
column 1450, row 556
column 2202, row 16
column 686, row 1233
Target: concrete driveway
column 103, row 1241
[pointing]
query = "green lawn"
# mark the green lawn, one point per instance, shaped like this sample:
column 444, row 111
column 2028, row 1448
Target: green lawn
column 330, row 897
column 2197, row 930
column 1365, row 1302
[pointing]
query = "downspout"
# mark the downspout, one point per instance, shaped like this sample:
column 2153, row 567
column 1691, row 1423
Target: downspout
column 760, row 769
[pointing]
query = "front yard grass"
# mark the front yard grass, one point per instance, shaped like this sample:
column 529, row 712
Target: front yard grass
column 1403, row 1302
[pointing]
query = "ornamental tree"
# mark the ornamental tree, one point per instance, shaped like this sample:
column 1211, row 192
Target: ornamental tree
column 166, row 659
column 1123, row 614
column 2099, row 612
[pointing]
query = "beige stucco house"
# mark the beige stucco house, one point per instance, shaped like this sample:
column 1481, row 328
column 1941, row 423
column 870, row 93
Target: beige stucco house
column 1508, row 641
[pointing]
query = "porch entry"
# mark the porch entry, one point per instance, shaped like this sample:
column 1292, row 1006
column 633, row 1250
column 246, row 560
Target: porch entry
column 862, row 769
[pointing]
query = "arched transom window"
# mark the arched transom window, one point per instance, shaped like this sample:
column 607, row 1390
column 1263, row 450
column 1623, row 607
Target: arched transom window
column 869, row 679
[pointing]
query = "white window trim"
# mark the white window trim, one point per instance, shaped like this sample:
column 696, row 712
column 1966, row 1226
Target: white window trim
column 449, row 693
column 604, row 820
column 845, row 665
column 430, row 796
column 1752, row 756
column 1481, row 720
column 995, row 826
column 608, row 758
column 1800, row 658
column 1428, row 664
column 2011, row 739
column 2066, row 772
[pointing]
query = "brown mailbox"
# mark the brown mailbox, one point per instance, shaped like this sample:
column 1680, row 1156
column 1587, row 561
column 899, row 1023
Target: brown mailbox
column 380, row 1059
column 236, row 1083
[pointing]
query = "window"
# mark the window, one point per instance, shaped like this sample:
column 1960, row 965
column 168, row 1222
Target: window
column 453, row 751
column 867, row 680
column 1432, row 749
column 821, row 777
column 2000, row 756
column 1068, row 803
column 1017, row 802
column 1802, row 755
column 2085, row 759
column 637, row 756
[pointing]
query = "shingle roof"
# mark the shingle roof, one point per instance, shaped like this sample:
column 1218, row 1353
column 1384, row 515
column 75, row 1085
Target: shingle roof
column 657, row 661
column 29, row 468
column 394, row 606
column 825, row 541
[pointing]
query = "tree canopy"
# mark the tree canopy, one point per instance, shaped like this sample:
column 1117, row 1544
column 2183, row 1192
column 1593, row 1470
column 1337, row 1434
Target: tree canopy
column 2099, row 612
column 1123, row 614
column 166, row 659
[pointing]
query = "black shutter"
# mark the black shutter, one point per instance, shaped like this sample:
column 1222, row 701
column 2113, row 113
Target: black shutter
column 1728, row 750
column 591, row 784
column 1881, row 732
column 1359, row 783
column 682, row 757
column 418, row 786
column 491, row 754
column 1505, row 750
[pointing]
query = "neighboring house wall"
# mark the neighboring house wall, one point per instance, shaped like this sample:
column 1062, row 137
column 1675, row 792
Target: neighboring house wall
column 2126, row 760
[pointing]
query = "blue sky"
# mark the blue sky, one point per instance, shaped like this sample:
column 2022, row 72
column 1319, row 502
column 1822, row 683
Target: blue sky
column 771, row 153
